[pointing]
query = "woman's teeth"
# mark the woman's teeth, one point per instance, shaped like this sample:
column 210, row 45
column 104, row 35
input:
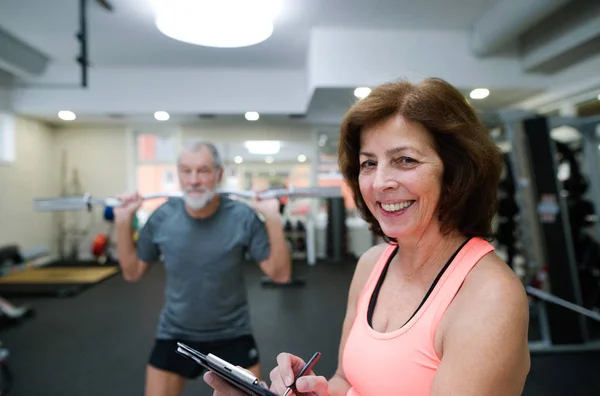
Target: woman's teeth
column 395, row 207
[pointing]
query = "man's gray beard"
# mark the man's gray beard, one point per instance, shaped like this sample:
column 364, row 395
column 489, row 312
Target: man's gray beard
column 197, row 203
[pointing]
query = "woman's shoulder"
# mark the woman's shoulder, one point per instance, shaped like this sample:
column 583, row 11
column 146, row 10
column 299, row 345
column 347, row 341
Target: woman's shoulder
column 366, row 263
column 485, row 327
column 370, row 257
column 493, row 273
column 493, row 283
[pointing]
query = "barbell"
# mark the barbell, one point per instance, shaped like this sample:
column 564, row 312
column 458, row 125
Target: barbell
column 87, row 202
column 542, row 295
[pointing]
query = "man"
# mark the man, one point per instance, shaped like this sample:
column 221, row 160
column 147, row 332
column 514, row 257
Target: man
column 202, row 239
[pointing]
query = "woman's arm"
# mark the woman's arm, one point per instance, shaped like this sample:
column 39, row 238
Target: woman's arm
column 338, row 384
column 485, row 342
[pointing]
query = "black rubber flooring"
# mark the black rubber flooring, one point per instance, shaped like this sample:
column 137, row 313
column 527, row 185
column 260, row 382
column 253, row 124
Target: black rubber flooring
column 97, row 343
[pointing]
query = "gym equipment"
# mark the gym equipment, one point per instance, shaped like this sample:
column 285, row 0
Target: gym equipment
column 553, row 216
column 6, row 376
column 337, row 232
column 13, row 312
column 581, row 219
column 563, row 303
column 546, row 344
column 290, row 236
column 109, row 214
column 13, row 315
column 10, row 255
column 86, row 202
column 100, row 245
column 567, row 327
column 59, row 281
column 506, row 232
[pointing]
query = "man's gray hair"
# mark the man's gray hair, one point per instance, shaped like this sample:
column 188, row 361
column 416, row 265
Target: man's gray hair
column 195, row 145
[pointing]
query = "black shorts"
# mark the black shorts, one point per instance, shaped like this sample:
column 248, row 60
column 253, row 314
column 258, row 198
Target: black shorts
column 240, row 351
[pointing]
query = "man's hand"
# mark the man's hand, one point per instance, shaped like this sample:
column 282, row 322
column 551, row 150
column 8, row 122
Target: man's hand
column 266, row 207
column 130, row 204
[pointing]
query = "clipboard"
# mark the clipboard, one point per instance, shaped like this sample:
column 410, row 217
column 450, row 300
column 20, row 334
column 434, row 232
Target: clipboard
column 235, row 376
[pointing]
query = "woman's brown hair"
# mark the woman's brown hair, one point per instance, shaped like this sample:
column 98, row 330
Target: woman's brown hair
column 472, row 161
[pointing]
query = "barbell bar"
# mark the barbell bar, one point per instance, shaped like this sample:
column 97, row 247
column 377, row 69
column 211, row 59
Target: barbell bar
column 542, row 295
column 87, row 202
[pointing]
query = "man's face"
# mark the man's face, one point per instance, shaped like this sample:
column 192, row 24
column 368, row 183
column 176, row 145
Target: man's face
column 198, row 177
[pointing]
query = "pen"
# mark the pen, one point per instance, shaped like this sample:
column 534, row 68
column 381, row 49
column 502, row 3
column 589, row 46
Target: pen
column 308, row 366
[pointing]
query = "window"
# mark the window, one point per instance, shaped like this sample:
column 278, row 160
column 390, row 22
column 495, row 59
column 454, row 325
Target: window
column 7, row 138
column 155, row 167
column 328, row 172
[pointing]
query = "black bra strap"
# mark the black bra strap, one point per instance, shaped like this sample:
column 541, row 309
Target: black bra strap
column 375, row 294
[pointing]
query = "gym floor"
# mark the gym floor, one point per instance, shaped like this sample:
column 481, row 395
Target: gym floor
column 97, row 343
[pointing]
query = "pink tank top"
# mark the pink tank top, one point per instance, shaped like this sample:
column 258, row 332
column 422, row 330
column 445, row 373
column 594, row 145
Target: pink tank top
column 404, row 361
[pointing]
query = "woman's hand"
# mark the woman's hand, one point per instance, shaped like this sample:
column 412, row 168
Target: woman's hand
column 282, row 376
column 221, row 387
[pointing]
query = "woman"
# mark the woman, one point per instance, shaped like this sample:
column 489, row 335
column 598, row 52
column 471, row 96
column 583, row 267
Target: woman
column 434, row 311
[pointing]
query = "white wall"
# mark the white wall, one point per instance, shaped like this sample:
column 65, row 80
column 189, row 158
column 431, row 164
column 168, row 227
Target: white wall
column 230, row 137
column 247, row 131
column 30, row 176
column 99, row 156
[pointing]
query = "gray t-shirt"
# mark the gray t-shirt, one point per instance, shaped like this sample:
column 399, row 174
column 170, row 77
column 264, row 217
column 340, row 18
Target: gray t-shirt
column 205, row 296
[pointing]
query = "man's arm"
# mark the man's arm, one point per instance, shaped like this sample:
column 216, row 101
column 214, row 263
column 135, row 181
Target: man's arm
column 132, row 268
column 485, row 347
column 278, row 265
column 267, row 244
column 134, row 261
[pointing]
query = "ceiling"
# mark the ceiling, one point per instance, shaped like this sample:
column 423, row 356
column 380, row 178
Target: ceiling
column 332, row 103
column 128, row 37
column 319, row 52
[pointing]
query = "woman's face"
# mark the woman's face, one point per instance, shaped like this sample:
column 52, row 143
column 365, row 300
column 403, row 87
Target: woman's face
column 400, row 177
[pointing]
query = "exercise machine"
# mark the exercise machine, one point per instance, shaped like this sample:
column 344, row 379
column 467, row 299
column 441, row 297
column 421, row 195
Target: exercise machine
column 6, row 376
column 552, row 214
column 86, row 202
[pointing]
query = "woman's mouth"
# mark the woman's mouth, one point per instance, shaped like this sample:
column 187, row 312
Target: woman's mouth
column 395, row 207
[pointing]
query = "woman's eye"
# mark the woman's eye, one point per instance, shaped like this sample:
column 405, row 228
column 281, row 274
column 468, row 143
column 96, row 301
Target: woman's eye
column 367, row 164
column 407, row 160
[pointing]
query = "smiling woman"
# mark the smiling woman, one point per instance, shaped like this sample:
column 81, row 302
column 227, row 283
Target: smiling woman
column 424, row 173
column 428, row 128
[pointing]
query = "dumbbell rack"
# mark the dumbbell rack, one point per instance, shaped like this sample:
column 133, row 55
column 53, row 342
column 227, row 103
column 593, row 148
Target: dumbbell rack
column 291, row 234
column 527, row 224
column 529, row 233
column 537, row 223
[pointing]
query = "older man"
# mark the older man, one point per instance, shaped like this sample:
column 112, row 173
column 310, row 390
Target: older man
column 202, row 239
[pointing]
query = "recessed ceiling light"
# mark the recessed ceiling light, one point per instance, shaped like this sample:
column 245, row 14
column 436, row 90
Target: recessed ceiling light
column 238, row 160
column 252, row 115
column 362, row 92
column 479, row 93
column 262, row 147
column 223, row 24
column 302, row 158
column 162, row 116
column 66, row 115
column 269, row 160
